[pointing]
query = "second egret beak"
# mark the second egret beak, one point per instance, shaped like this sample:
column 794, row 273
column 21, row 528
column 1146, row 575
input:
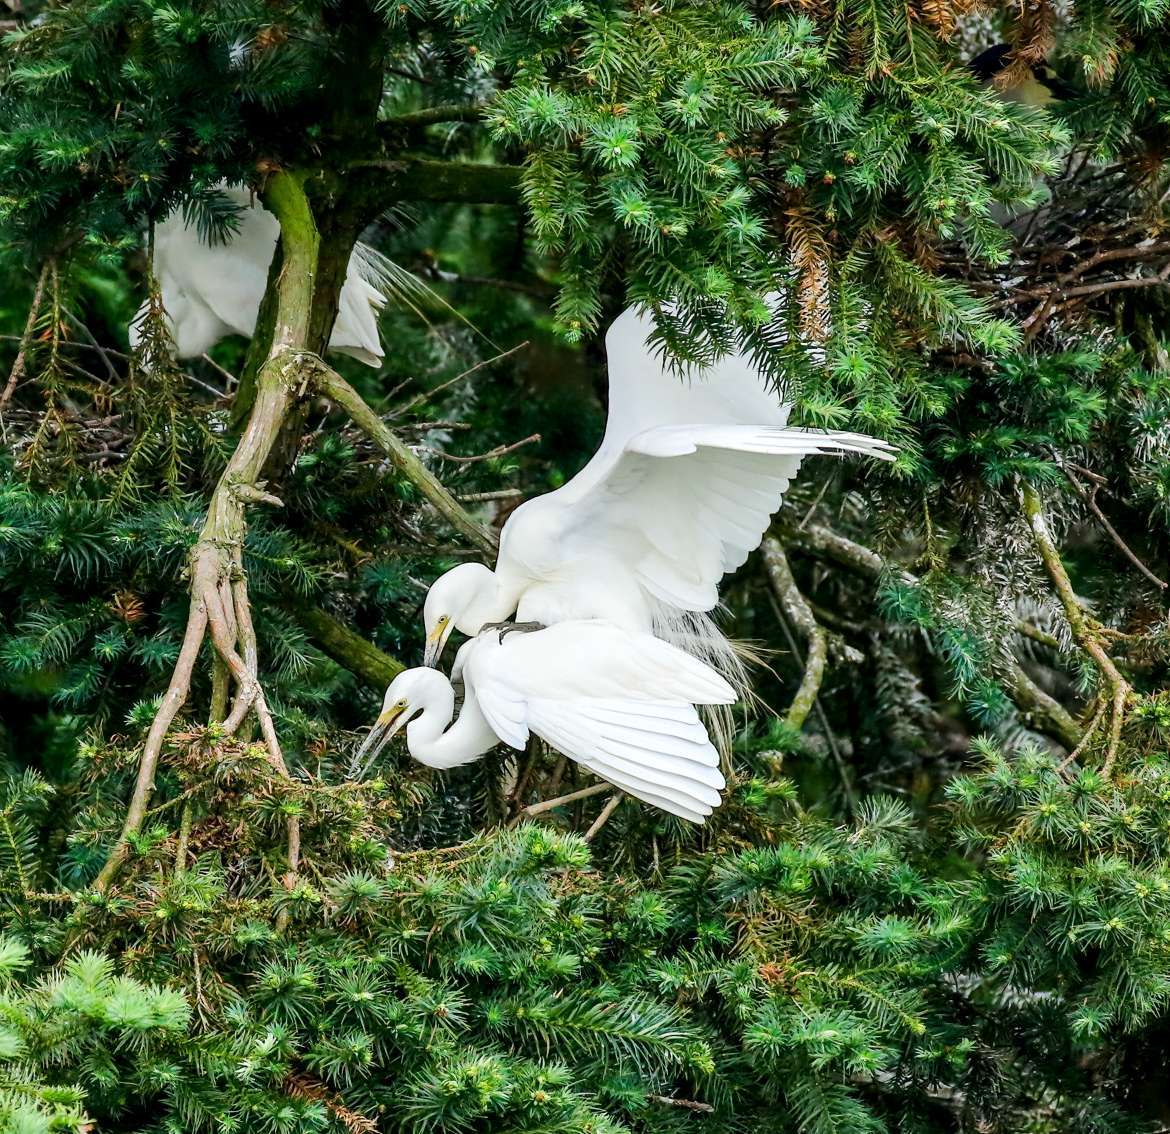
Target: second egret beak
column 387, row 724
column 436, row 641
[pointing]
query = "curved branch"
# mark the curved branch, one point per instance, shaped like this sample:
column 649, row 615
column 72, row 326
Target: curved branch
column 801, row 616
column 1084, row 629
column 1048, row 714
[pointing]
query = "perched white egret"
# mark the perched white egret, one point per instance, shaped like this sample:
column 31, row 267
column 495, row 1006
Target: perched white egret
column 213, row 290
column 621, row 704
column 682, row 489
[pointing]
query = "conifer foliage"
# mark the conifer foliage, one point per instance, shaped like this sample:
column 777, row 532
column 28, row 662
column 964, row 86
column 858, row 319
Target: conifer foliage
column 935, row 899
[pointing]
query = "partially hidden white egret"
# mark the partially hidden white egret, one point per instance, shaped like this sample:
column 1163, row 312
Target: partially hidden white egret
column 681, row 491
column 619, row 703
column 210, row 291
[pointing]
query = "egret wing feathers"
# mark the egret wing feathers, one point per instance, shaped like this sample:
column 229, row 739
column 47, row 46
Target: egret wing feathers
column 213, row 290
column 620, row 704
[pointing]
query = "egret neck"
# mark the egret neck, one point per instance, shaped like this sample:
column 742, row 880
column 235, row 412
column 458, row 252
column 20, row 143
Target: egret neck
column 432, row 743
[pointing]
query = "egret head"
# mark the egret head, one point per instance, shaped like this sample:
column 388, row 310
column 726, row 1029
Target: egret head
column 410, row 693
column 460, row 599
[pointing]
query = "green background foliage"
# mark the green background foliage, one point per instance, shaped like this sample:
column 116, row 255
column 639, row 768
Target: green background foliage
column 935, row 899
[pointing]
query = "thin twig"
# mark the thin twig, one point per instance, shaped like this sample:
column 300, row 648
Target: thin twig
column 30, row 326
column 427, row 395
column 601, row 820
column 549, row 804
column 483, row 497
column 1090, row 499
column 686, row 1104
column 1080, row 747
column 490, row 455
column 103, row 354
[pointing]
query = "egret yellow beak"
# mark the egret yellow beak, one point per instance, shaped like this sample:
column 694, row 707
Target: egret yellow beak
column 387, row 724
column 436, row 641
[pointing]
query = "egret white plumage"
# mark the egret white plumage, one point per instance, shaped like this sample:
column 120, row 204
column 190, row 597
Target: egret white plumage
column 682, row 489
column 213, row 290
column 620, row 704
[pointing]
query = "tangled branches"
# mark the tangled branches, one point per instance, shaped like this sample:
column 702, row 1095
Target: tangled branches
column 1094, row 238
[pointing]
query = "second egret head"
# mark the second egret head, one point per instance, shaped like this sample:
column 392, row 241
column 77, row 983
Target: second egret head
column 412, row 692
column 460, row 599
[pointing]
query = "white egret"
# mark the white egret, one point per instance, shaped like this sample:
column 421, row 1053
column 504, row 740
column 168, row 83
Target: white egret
column 213, row 290
column 620, row 704
column 682, row 489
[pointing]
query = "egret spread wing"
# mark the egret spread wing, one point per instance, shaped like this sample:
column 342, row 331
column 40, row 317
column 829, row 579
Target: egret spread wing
column 620, row 704
column 646, row 392
column 688, row 503
column 211, row 290
column 690, row 471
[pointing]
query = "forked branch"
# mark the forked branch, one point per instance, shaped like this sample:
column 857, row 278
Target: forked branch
column 219, row 596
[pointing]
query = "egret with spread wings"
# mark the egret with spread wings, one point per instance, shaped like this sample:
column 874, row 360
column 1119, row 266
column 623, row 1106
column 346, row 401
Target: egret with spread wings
column 681, row 491
column 211, row 290
column 620, row 704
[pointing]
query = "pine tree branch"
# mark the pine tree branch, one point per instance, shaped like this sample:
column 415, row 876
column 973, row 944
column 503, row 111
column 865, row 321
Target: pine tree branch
column 1046, row 713
column 336, row 388
column 431, row 116
column 453, row 182
column 346, row 647
column 793, row 603
column 1083, row 628
column 828, row 545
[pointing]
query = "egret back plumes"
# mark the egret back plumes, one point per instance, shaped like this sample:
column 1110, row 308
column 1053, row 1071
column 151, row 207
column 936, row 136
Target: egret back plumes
column 211, row 290
column 619, row 703
column 688, row 475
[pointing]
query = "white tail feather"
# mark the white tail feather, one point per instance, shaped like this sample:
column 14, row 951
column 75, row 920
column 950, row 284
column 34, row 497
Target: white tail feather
column 696, row 633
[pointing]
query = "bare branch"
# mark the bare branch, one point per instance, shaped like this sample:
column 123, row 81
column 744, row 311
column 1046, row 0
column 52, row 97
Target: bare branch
column 333, row 386
column 561, row 800
column 801, row 616
column 601, row 820
column 1083, row 628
